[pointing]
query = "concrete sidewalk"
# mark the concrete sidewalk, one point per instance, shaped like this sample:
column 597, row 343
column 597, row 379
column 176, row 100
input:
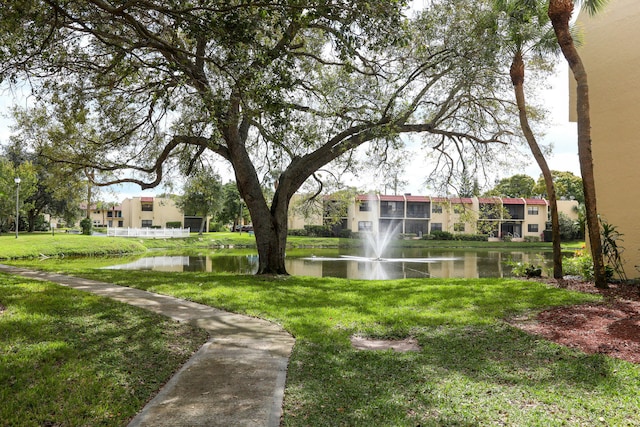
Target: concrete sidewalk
column 237, row 378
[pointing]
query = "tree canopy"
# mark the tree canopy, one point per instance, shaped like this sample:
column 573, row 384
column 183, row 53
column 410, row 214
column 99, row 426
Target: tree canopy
column 568, row 186
column 9, row 190
column 202, row 195
column 519, row 185
column 138, row 89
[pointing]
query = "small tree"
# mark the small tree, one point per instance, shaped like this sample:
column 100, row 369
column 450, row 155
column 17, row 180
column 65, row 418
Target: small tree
column 87, row 226
column 9, row 193
column 202, row 195
column 490, row 216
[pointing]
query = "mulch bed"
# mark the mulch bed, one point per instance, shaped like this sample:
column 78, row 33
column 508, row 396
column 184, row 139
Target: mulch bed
column 611, row 327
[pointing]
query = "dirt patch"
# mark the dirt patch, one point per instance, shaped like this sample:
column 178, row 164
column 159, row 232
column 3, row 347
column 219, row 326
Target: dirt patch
column 407, row 344
column 611, row 328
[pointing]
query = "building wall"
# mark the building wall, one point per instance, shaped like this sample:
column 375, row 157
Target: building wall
column 611, row 56
column 163, row 211
column 455, row 215
column 297, row 219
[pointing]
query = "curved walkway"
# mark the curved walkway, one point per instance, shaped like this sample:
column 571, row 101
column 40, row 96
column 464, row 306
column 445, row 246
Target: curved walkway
column 237, row 378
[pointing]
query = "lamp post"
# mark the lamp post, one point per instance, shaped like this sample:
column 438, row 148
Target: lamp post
column 17, row 181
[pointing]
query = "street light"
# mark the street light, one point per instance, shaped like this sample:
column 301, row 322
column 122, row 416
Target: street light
column 17, row 181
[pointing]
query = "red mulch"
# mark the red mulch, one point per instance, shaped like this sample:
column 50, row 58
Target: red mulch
column 611, row 327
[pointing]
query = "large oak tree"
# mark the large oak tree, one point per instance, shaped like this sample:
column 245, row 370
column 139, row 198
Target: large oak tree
column 138, row 87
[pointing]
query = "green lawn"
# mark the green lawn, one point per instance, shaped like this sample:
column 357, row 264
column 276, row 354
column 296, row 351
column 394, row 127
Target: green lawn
column 69, row 358
column 63, row 245
column 473, row 369
column 34, row 245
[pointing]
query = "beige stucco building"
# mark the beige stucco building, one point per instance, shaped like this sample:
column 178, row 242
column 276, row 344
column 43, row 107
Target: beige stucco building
column 611, row 56
column 516, row 218
column 141, row 212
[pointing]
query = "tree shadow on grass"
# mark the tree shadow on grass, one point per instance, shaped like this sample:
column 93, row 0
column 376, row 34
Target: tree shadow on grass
column 69, row 355
column 479, row 375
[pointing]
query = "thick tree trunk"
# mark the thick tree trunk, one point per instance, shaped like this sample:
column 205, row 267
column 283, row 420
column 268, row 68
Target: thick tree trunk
column 269, row 224
column 517, row 78
column 560, row 13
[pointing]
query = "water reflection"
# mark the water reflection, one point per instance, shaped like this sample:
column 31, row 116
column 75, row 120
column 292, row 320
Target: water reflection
column 405, row 263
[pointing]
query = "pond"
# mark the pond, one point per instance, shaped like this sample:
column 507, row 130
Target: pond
column 395, row 264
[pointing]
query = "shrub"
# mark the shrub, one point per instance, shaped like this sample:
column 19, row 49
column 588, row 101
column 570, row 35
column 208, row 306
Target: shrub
column 531, row 239
column 471, row 237
column 217, row 226
column 523, row 269
column 297, row 232
column 86, row 225
column 581, row 264
column 445, row 235
column 441, row 235
column 346, row 233
column 318, row 231
column 174, row 224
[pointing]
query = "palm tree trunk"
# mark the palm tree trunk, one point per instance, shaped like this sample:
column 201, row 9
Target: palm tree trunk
column 560, row 13
column 517, row 78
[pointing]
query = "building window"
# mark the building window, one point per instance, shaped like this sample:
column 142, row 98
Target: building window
column 120, row 223
column 147, row 206
column 365, row 206
column 435, row 208
column 109, row 214
column 110, row 223
column 436, row 226
column 391, row 209
column 458, row 209
column 417, row 210
column 365, row 226
column 147, row 223
column 532, row 228
column 458, row 227
column 532, row 210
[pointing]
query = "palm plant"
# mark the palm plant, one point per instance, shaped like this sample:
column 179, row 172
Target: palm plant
column 560, row 12
column 526, row 31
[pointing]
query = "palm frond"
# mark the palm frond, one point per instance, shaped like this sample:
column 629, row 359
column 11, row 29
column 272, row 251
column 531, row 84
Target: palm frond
column 592, row 7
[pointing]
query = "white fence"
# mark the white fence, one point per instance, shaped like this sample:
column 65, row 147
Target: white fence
column 148, row 232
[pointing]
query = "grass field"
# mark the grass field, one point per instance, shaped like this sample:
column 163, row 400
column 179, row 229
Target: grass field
column 82, row 360
column 34, row 245
column 68, row 358
column 473, row 369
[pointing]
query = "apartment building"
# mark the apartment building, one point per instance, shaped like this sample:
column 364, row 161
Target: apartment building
column 610, row 53
column 142, row 212
column 420, row 215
